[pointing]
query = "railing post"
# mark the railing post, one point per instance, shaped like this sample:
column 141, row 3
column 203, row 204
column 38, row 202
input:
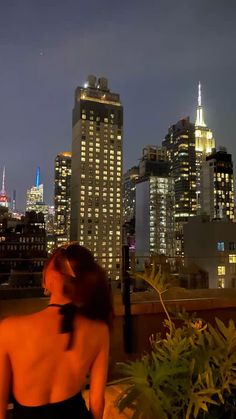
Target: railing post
column 127, row 325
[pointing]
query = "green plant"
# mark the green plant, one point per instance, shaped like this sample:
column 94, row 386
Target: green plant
column 190, row 373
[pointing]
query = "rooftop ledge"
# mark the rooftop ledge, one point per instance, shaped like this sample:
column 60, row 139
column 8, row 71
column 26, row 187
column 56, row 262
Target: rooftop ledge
column 23, row 301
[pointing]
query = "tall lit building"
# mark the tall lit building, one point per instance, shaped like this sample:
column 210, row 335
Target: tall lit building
column 62, row 197
column 217, row 185
column 35, row 201
column 154, row 215
column 4, row 200
column 204, row 143
column 180, row 147
column 96, row 179
column 129, row 193
column 34, row 195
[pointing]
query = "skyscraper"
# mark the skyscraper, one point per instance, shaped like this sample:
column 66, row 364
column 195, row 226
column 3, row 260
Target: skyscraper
column 34, row 195
column 96, row 217
column 62, row 197
column 154, row 215
column 204, row 143
column 180, row 146
column 35, row 200
column 154, row 210
column 4, row 200
column 129, row 195
column 152, row 154
column 217, row 185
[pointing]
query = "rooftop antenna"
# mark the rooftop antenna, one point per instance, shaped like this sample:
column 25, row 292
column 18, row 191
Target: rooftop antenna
column 200, row 117
column 199, row 94
column 38, row 180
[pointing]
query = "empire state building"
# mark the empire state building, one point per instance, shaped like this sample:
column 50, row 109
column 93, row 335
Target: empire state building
column 204, row 142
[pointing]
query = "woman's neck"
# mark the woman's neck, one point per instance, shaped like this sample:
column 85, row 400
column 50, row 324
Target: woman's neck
column 59, row 300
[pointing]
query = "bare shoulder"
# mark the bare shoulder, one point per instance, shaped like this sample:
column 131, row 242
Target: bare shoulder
column 7, row 326
column 98, row 328
column 6, row 323
column 11, row 324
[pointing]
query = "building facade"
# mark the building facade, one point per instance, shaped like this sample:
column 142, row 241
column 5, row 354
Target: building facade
column 217, row 185
column 62, row 197
column 180, row 147
column 151, row 154
column 204, row 144
column 34, row 199
column 96, row 178
column 212, row 246
column 129, row 195
column 34, row 195
column 154, row 231
column 22, row 249
column 4, row 199
column 35, row 202
column 154, row 215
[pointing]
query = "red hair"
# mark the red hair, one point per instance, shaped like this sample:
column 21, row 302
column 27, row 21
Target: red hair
column 85, row 282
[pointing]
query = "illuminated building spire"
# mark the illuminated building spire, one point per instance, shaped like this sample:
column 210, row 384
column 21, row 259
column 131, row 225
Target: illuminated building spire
column 38, row 181
column 3, row 190
column 199, row 94
column 200, row 118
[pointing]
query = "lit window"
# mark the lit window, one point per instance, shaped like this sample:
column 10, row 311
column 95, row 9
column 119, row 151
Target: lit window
column 232, row 258
column 221, row 270
column 221, row 246
column 221, row 282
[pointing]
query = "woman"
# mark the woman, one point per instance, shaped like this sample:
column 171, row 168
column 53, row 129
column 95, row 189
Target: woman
column 46, row 356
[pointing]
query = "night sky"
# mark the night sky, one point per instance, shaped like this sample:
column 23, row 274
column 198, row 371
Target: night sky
column 153, row 52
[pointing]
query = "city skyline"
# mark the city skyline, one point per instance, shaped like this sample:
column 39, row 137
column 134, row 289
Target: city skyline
column 155, row 68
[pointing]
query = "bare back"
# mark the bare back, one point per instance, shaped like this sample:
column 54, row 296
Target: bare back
column 43, row 372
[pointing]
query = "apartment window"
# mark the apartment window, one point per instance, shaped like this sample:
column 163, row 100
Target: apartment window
column 232, row 258
column 221, row 270
column 232, row 246
column 232, row 269
column 221, row 246
column 221, row 283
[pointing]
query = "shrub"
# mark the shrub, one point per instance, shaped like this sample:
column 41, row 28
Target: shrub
column 190, row 373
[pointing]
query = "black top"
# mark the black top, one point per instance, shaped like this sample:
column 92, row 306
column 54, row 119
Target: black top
column 72, row 408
